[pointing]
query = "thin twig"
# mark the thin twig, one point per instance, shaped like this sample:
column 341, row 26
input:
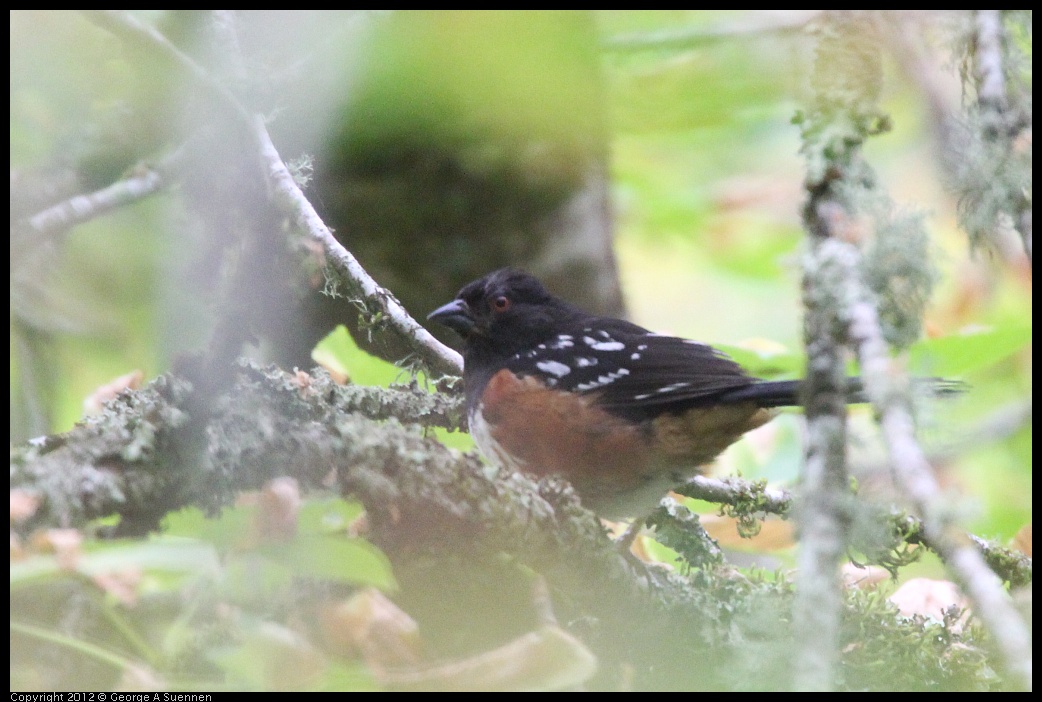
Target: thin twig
column 133, row 32
column 288, row 197
column 694, row 37
column 1012, row 566
column 991, row 85
column 437, row 357
column 735, row 491
column 1001, row 122
column 914, row 476
column 82, row 208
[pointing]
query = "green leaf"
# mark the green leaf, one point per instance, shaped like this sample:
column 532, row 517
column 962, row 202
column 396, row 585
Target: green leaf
column 765, row 364
column 338, row 350
column 320, row 549
column 328, row 515
column 159, row 554
column 228, row 530
column 334, row 557
column 959, row 354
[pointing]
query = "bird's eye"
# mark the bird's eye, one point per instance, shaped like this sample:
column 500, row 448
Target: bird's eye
column 501, row 303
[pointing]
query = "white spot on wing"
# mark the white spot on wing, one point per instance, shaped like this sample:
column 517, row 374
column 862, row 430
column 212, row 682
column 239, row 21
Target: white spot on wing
column 602, row 380
column 661, row 390
column 554, row 368
column 671, row 388
column 585, row 361
column 564, row 341
column 634, row 356
column 609, row 345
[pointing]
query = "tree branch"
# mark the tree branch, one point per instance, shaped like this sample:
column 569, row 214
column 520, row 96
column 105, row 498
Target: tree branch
column 1001, row 123
column 420, row 497
column 964, row 562
column 991, row 79
column 438, row 358
column 752, row 498
column 439, row 516
column 692, row 38
column 82, row 208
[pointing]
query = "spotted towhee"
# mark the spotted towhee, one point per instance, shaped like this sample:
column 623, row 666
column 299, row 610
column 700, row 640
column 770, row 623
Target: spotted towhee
column 621, row 412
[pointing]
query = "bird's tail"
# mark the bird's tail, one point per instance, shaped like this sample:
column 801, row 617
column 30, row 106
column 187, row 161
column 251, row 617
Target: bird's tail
column 788, row 393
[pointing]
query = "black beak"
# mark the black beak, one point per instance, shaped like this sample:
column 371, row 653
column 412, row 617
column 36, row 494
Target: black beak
column 456, row 316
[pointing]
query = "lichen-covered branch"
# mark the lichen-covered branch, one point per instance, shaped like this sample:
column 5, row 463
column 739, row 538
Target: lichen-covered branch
column 846, row 82
column 432, row 510
column 984, row 148
column 755, row 496
column 833, row 129
column 1001, row 121
column 748, row 501
column 447, row 522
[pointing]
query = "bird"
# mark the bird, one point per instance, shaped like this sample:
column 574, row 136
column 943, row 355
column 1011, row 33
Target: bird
column 621, row 412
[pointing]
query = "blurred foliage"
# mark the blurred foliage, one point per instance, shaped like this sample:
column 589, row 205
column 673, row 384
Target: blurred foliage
column 706, row 190
column 203, row 606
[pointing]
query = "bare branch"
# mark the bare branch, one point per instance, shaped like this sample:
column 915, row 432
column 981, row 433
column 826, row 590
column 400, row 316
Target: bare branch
column 437, row 357
column 135, row 33
column 991, row 86
column 289, row 198
column 82, row 208
column 967, row 566
column 786, row 22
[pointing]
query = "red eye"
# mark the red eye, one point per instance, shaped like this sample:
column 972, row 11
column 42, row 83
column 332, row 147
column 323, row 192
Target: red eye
column 501, row 303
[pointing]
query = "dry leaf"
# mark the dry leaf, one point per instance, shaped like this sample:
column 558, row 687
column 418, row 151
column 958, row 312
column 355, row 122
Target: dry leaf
column 863, row 577
column 63, row 543
column 122, row 585
column 776, row 534
column 1022, row 541
column 277, row 508
column 370, row 626
column 23, row 505
column 930, row 598
column 109, row 391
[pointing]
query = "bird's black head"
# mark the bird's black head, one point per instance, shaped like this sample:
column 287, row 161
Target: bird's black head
column 506, row 311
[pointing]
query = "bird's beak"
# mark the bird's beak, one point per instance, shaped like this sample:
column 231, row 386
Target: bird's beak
column 456, row 316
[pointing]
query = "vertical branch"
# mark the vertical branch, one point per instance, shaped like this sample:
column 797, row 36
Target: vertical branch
column 985, row 149
column 991, row 80
column 993, row 177
column 841, row 113
column 965, row 563
column 841, row 309
column 1001, row 122
column 820, row 513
